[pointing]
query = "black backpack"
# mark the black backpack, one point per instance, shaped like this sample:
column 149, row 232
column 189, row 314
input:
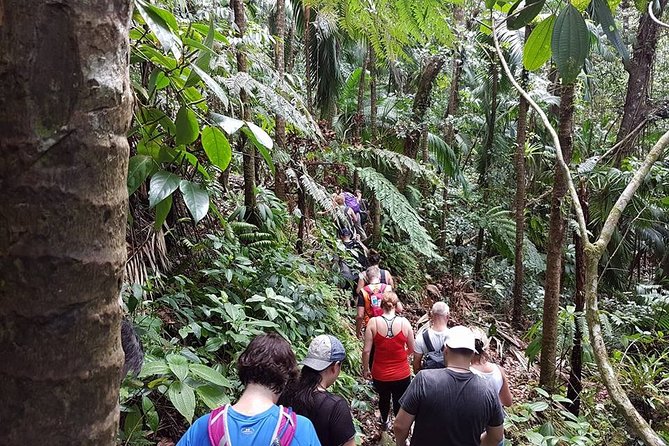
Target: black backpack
column 428, row 362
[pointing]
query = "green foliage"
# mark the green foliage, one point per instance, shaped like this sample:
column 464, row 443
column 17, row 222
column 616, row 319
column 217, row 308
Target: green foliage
column 537, row 50
column 570, row 43
column 520, row 16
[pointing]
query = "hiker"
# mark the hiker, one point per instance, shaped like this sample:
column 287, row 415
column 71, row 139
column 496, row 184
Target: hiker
column 373, row 259
column 429, row 351
column 264, row 369
column 392, row 338
column 451, row 406
column 352, row 216
column 308, row 395
column 369, row 299
column 489, row 370
column 364, row 211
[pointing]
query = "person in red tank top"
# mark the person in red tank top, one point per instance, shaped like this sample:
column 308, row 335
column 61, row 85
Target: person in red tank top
column 393, row 341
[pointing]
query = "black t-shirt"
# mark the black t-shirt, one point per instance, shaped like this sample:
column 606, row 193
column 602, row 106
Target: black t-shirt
column 451, row 408
column 331, row 416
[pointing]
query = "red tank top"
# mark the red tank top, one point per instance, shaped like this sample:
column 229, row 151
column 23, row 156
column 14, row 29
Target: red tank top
column 390, row 356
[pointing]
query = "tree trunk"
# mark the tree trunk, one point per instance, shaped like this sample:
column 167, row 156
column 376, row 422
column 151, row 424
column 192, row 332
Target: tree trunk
column 248, row 150
column 575, row 386
column 304, row 215
column 483, row 166
column 307, row 57
column 554, row 251
column 289, row 58
column 359, row 119
column 519, row 205
column 65, row 106
column 376, row 221
column 372, row 94
column 640, row 69
column 280, row 121
column 449, row 138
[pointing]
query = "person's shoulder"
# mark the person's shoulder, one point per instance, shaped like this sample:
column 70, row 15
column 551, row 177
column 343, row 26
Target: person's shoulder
column 197, row 434
column 305, row 433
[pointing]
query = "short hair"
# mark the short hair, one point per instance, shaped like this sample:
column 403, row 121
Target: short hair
column 389, row 301
column 373, row 257
column 268, row 361
column 339, row 200
column 440, row 309
column 373, row 272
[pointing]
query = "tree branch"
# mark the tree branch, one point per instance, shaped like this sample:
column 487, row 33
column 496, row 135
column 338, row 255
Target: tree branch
column 653, row 18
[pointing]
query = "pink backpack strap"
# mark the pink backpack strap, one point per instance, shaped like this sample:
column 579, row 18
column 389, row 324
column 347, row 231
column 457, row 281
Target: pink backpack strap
column 285, row 427
column 218, row 426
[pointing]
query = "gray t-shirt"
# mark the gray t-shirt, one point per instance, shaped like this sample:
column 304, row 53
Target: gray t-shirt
column 451, row 408
column 437, row 338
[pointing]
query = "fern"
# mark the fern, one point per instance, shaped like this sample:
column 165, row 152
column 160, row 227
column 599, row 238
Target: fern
column 398, row 210
column 387, row 158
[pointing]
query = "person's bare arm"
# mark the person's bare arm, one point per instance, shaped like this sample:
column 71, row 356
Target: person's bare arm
column 403, row 422
column 350, row 442
column 358, row 321
column 417, row 362
column 361, row 284
column 492, row 436
column 411, row 342
column 389, row 279
column 367, row 349
column 505, row 396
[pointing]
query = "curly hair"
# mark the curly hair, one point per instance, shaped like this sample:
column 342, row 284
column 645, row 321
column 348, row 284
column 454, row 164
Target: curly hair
column 268, row 361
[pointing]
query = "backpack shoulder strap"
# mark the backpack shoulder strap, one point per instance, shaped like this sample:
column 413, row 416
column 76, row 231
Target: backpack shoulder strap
column 218, row 426
column 286, row 426
column 383, row 276
column 427, row 340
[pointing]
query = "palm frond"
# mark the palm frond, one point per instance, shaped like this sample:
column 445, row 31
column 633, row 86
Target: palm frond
column 380, row 158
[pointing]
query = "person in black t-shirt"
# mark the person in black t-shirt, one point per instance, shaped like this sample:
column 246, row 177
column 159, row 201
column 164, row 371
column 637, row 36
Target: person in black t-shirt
column 308, row 396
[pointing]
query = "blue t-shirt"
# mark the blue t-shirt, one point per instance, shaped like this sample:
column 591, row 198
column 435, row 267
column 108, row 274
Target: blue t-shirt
column 253, row 430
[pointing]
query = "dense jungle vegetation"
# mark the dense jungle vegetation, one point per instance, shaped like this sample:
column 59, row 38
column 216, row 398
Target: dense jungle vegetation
column 510, row 154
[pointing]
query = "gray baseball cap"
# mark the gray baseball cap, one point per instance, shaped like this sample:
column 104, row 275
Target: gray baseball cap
column 323, row 351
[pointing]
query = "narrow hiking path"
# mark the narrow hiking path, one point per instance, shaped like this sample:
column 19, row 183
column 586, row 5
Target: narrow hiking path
column 467, row 307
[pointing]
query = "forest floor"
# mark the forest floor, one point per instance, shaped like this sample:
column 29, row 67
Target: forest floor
column 467, row 307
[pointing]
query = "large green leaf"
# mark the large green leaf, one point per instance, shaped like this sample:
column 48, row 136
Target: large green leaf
column 217, row 147
column 261, row 140
column 179, row 365
column 537, row 50
column 196, row 199
column 161, row 23
column 204, row 56
column 162, row 185
column 139, row 169
column 162, row 211
column 212, row 84
column 601, row 13
column 570, row 43
column 158, row 367
column 213, row 396
column 228, row 124
column 187, row 127
column 209, row 375
column 523, row 12
column 182, row 397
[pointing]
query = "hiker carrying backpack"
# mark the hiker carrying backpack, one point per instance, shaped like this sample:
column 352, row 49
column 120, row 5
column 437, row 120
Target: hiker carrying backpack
column 429, row 360
column 372, row 295
column 283, row 432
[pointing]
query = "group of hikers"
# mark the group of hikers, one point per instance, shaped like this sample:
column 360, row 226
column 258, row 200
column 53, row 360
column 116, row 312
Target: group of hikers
column 455, row 397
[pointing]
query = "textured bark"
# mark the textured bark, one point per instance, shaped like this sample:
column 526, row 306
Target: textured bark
column 376, row 221
column 449, row 138
column 640, row 69
column 64, row 112
column 248, row 150
column 280, row 121
column 483, row 166
column 554, row 250
column 359, row 119
column 373, row 98
column 575, row 386
column 307, row 57
column 519, row 206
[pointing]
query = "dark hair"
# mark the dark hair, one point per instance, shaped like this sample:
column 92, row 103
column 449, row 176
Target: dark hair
column 478, row 345
column 267, row 361
column 373, row 257
column 299, row 393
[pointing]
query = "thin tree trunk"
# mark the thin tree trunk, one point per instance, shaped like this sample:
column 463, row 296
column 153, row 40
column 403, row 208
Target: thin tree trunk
column 359, row 120
column 376, row 221
column 372, row 94
column 575, row 386
column 554, row 251
column 449, row 138
column 280, row 121
column 248, row 150
column 307, row 57
column 289, row 58
column 302, row 229
column 65, row 106
column 519, row 205
column 640, row 68
column 484, row 164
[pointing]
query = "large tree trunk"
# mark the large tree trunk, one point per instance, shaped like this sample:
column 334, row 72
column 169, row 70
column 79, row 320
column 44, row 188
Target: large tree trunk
column 280, row 121
column 519, row 205
column 484, row 163
column 373, row 99
column 640, row 69
column 64, row 112
column 248, row 150
column 449, row 138
column 575, row 386
column 554, row 251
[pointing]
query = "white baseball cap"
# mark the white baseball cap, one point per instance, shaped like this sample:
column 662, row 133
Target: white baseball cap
column 461, row 337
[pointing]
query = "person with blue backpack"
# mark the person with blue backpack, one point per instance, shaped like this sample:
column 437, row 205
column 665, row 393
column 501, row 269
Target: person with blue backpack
column 265, row 367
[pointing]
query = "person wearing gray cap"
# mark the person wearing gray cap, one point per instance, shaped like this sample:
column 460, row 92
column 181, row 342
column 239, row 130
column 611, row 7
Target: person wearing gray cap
column 308, row 395
column 451, row 406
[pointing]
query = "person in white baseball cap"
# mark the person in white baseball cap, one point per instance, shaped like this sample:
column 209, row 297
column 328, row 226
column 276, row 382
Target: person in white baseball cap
column 308, row 396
